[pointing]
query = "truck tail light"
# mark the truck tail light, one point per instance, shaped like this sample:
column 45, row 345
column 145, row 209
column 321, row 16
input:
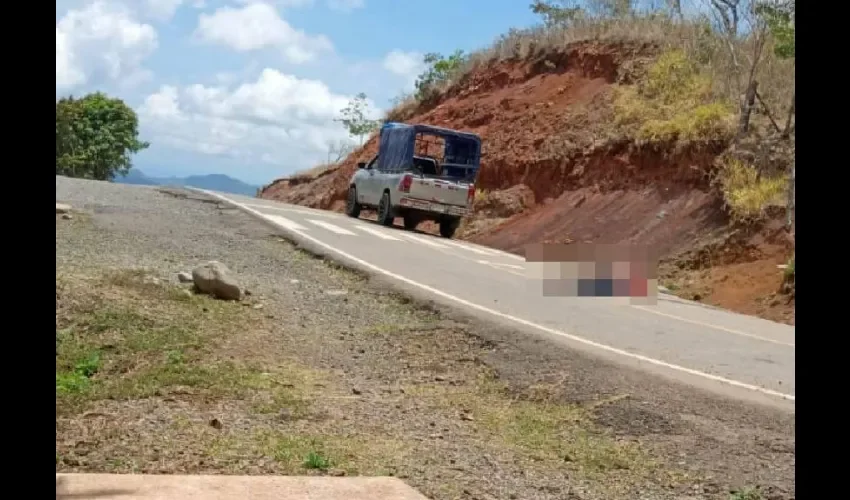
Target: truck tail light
column 470, row 194
column 404, row 185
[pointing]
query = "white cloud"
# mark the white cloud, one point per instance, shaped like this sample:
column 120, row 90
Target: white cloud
column 278, row 119
column 258, row 26
column 99, row 43
column 407, row 65
column 346, row 5
column 162, row 10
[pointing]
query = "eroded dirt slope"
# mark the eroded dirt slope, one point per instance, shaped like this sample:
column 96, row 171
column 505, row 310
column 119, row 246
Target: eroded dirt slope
column 556, row 169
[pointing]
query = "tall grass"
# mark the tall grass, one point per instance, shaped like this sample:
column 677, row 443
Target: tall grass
column 721, row 61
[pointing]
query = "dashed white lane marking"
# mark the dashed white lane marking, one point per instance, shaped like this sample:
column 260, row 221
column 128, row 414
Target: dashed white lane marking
column 479, row 251
column 283, row 221
column 716, row 327
column 315, row 213
column 376, row 232
column 424, row 240
column 331, row 227
column 520, row 321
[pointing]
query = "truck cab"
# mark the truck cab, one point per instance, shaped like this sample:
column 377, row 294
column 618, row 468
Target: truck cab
column 420, row 173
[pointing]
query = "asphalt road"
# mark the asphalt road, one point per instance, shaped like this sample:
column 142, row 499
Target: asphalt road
column 734, row 354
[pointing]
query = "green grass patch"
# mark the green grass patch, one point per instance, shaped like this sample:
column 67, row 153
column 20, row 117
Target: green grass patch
column 748, row 194
column 673, row 102
column 125, row 335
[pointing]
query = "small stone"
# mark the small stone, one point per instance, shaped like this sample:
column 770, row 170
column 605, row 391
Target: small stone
column 184, row 277
column 439, row 378
column 467, row 417
column 215, row 424
column 356, row 391
column 214, row 278
column 336, row 472
column 258, row 306
column 294, row 282
column 335, row 292
column 67, row 216
column 62, row 208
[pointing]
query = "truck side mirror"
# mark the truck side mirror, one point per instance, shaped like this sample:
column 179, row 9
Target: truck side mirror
column 361, row 164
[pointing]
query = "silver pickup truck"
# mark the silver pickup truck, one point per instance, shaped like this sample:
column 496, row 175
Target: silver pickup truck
column 420, row 173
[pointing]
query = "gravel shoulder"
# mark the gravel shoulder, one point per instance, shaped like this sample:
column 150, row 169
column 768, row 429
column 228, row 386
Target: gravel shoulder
column 326, row 371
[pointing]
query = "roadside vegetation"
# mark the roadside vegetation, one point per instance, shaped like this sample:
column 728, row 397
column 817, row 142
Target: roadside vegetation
column 151, row 378
column 96, row 136
column 723, row 73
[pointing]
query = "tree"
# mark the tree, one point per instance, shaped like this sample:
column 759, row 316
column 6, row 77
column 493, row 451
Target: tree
column 440, row 70
column 355, row 117
column 338, row 150
column 556, row 15
column 96, row 137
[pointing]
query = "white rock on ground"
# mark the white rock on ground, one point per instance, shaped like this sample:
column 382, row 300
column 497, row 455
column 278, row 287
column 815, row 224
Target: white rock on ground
column 184, row 277
column 62, row 208
column 214, row 278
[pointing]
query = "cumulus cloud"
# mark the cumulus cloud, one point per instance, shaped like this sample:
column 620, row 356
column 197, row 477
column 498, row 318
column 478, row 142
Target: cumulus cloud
column 258, row 26
column 278, row 119
column 101, row 43
column 407, row 65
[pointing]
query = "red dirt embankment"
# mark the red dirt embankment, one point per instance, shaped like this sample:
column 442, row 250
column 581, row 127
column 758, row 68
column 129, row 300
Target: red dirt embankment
column 555, row 169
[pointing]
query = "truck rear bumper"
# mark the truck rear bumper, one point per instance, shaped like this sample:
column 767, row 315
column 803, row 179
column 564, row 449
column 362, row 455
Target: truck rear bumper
column 433, row 207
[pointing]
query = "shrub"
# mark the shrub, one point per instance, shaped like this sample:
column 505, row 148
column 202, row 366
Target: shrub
column 746, row 193
column 674, row 101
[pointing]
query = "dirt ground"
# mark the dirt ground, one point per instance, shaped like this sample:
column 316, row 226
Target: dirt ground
column 321, row 371
column 548, row 127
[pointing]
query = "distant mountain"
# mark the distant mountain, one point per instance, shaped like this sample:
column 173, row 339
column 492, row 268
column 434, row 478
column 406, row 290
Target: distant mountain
column 213, row 182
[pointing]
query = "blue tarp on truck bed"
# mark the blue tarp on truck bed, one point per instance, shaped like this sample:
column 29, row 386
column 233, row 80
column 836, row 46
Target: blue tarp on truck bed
column 398, row 144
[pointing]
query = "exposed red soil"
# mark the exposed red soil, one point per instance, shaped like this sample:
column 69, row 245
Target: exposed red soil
column 554, row 169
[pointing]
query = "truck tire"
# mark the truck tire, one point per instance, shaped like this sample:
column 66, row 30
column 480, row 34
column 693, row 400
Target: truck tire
column 352, row 208
column 385, row 210
column 449, row 226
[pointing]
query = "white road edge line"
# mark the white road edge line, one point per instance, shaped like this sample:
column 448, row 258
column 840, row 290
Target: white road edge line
column 331, row 227
column 716, row 327
column 283, row 221
column 552, row 331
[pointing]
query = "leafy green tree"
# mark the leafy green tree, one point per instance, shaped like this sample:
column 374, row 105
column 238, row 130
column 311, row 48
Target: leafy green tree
column 440, row 70
column 96, row 137
column 780, row 19
column 559, row 13
column 355, row 117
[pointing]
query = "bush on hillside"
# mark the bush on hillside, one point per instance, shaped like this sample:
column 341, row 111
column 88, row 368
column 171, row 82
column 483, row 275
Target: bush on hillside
column 746, row 192
column 674, row 101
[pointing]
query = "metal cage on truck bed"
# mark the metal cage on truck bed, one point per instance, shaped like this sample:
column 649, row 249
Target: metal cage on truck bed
column 434, row 151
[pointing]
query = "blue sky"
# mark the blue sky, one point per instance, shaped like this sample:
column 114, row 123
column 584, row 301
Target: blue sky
column 250, row 88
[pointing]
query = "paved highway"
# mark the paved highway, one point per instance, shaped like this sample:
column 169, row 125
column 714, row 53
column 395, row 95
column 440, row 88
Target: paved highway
column 734, row 354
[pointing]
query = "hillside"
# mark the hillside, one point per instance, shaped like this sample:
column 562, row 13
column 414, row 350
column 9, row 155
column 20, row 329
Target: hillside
column 214, row 182
column 628, row 137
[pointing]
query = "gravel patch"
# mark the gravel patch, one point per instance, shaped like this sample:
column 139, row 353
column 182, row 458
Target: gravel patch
column 399, row 369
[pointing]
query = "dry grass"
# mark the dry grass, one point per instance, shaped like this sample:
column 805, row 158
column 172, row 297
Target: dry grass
column 715, row 58
column 314, row 172
column 747, row 193
column 673, row 102
column 150, row 377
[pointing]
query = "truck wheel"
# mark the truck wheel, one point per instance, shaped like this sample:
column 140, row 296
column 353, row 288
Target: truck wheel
column 448, row 227
column 352, row 208
column 385, row 211
column 410, row 222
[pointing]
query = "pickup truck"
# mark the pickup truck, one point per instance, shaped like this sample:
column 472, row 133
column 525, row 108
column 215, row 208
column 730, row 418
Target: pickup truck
column 420, row 173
